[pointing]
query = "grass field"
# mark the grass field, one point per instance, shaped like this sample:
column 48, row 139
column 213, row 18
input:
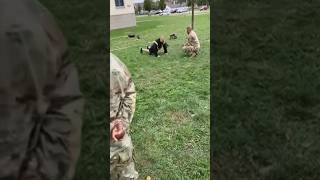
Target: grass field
column 171, row 126
column 266, row 90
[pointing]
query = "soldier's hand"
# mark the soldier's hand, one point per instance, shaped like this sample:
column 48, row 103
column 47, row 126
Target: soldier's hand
column 118, row 131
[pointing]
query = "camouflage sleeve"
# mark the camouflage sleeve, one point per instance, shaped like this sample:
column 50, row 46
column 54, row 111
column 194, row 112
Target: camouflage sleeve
column 65, row 112
column 128, row 105
column 123, row 94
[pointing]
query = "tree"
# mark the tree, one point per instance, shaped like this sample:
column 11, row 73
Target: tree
column 147, row 5
column 162, row 5
column 139, row 9
column 181, row 1
column 136, row 10
column 202, row 2
column 155, row 6
column 192, row 16
column 189, row 3
column 198, row 2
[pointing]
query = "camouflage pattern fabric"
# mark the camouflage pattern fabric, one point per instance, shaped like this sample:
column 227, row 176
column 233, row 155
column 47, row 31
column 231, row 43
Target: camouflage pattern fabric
column 122, row 106
column 41, row 103
column 192, row 47
column 190, row 50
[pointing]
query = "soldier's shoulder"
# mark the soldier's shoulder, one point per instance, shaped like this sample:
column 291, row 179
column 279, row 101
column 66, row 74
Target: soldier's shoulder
column 116, row 65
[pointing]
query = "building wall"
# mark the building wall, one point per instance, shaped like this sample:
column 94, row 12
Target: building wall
column 122, row 17
column 122, row 21
column 126, row 9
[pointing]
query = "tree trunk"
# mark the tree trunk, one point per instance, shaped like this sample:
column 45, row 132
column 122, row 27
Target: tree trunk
column 192, row 20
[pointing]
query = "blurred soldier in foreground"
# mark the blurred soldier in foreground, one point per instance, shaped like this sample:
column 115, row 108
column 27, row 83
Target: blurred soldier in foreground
column 192, row 47
column 122, row 107
column 40, row 101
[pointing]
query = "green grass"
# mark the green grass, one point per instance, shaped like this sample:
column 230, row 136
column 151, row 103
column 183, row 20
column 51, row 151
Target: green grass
column 83, row 24
column 171, row 126
column 266, row 90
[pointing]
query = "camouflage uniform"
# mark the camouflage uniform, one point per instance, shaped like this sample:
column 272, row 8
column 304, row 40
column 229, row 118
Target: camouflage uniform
column 40, row 100
column 122, row 106
column 192, row 47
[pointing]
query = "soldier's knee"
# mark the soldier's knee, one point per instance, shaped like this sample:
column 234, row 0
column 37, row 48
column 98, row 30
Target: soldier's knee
column 124, row 166
column 129, row 172
column 123, row 158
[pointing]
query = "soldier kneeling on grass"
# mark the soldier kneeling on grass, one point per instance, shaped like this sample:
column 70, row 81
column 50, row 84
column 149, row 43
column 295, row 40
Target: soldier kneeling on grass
column 122, row 107
column 192, row 46
column 156, row 46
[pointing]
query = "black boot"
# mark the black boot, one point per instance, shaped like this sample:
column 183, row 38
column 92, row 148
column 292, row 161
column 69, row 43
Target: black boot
column 141, row 50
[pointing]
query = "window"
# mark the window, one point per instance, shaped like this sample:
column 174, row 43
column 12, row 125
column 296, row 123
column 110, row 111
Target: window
column 119, row 3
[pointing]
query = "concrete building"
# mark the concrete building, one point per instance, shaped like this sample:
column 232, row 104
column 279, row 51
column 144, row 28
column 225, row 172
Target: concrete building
column 122, row 14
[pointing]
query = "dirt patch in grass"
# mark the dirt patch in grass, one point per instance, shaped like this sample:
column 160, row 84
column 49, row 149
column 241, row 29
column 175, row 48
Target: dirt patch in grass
column 179, row 117
column 145, row 163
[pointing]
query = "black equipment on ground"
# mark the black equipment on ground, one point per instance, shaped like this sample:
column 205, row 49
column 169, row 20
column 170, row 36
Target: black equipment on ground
column 173, row 36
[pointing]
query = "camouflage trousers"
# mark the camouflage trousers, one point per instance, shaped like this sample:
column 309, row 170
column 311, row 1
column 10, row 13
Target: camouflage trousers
column 121, row 160
column 190, row 50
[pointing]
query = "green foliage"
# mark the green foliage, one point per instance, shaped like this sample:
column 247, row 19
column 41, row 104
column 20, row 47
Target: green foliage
column 198, row 2
column 155, row 6
column 162, row 5
column 147, row 5
column 189, row 3
column 181, row 1
column 201, row 2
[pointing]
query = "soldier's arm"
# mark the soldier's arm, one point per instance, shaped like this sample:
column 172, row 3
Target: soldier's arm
column 127, row 97
column 129, row 104
column 165, row 45
column 156, row 53
column 66, row 112
column 63, row 118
